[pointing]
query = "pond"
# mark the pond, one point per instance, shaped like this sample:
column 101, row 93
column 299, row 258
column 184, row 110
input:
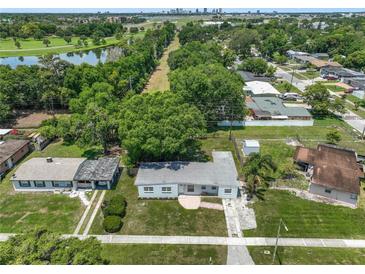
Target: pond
column 91, row 57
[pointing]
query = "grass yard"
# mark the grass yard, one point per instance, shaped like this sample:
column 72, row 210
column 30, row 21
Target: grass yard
column 308, row 255
column 311, row 74
column 159, row 80
column 281, row 87
column 335, row 88
column 306, row 218
column 161, row 217
column 56, row 212
column 153, row 254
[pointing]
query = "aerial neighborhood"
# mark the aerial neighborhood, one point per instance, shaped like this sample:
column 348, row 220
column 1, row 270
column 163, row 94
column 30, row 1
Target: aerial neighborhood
column 182, row 137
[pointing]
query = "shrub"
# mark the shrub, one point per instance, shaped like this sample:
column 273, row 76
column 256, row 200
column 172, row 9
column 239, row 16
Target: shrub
column 116, row 206
column 112, row 224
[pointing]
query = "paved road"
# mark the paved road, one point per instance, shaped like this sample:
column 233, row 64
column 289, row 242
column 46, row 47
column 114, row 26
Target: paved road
column 208, row 240
column 352, row 119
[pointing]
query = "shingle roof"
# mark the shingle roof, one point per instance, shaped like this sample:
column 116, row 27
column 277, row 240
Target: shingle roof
column 221, row 172
column 10, row 147
column 334, row 167
column 38, row 169
column 102, row 169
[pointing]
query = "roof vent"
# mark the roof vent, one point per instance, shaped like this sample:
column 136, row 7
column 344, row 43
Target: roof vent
column 49, row 160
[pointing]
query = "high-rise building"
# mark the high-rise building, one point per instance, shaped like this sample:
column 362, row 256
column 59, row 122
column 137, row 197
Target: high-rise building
column 205, row 10
column 197, row 11
column 220, row 10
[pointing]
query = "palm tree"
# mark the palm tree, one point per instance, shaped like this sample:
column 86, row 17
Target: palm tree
column 258, row 170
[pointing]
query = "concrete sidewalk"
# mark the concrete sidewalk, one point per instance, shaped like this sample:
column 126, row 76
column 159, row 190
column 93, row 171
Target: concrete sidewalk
column 208, row 240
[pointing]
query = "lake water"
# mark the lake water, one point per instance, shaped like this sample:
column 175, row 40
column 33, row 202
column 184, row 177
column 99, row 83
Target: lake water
column 91, row 57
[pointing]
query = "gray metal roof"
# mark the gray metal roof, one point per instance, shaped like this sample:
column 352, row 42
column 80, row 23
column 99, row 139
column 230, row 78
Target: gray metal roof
column 38, row 169
column 275, row 107
column 102, row 169
column 221, row 172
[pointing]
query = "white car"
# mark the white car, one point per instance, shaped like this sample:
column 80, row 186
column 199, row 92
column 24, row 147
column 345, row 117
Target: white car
column 291, row 96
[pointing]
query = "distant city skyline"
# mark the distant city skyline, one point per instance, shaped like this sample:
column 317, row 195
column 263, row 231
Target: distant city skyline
column 193, row 10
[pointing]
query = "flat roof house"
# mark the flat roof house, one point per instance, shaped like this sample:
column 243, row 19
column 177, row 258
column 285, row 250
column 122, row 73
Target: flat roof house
column 258, row 88
column 49, row 174
column 272, row 108
column 334, row 172
column 11, row 151
column 171, row 179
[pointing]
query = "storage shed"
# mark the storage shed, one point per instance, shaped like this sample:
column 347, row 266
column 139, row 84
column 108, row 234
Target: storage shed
column 250, row 146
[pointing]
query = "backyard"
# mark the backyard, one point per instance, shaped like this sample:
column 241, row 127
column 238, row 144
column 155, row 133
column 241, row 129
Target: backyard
column 153, row 254
column 57, row 212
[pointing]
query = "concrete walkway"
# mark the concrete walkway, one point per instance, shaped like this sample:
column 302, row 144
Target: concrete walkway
column 84, row 215
column 211, row 205
column 91, row 220
column 189, row 201
column 208, row 240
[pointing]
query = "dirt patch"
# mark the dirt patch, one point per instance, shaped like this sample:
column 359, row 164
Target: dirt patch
column 33, row 119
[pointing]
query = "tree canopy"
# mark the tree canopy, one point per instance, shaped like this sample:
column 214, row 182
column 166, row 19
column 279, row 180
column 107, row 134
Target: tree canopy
column 44, row 247
column 213, row 89
column 159, row 127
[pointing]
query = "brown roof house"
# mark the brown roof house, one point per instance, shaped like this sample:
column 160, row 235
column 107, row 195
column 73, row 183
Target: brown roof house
column 11, row 152
column 335, row 172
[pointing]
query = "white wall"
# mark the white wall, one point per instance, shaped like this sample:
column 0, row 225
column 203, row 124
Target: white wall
column 248, row 150
column 268, row 123
column 157, row 191
column 233, row 194
column 335, row 194
column 48, row 186
column 359, row 94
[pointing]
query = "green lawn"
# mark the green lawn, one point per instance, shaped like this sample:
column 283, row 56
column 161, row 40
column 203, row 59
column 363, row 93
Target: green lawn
column 335, row 88
column 281, row 87
column 31, row 47
column 311, row 74
column 20, row 211
column 306, row 218
column 308, row 256
column 144, row 254
column 161, row 217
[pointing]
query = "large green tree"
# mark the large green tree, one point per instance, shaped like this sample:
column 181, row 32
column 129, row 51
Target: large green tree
column 319, row 98
column 44, row 247
column 159, row 127
column 216, row 91
column 242, row 41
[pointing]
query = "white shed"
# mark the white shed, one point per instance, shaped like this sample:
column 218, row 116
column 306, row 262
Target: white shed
column 250, row 146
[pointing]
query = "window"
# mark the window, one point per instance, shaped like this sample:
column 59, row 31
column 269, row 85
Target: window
column 61, row 184
column 148, row 189
column 353, row 196
column 214, row 188
column 166, row 189
column 24, row 183
column 190, row 188
column 204, row 187
column 40, row 184
column 227, row 191
column 328, row 191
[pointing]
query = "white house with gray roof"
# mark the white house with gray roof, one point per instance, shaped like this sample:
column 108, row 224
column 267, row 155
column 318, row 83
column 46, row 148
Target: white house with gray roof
column 49, row 174
column 171, row 179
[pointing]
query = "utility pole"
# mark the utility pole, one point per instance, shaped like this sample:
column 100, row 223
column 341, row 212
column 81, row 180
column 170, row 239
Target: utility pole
column 277, row 238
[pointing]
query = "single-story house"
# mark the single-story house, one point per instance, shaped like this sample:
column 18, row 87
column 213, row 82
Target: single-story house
column 249, row 77
column 317, row 63
column 258, row 88
column 272, row 108
column 250, row 146
column 358, row 85
column 334, row 171
column 292, row 53
column 49, row 174
column 340, row 73
column 11, row 151
column 171, row 179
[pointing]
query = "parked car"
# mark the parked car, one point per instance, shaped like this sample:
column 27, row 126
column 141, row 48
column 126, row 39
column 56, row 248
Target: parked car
column 292, row 96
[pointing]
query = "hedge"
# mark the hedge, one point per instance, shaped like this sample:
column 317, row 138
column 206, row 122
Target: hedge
column 112, row 224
